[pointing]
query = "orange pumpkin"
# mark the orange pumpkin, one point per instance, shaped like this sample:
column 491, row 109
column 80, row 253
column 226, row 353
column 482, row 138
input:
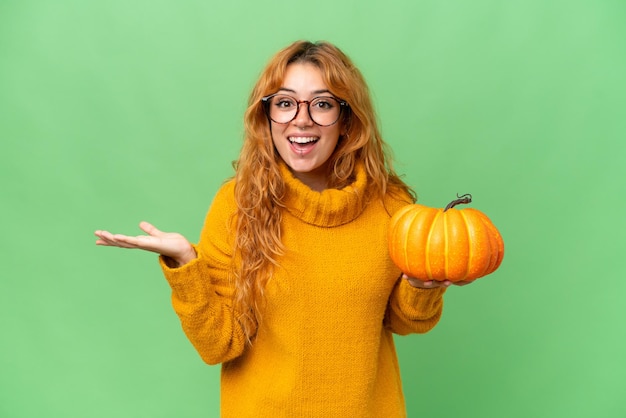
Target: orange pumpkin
column 444, row 244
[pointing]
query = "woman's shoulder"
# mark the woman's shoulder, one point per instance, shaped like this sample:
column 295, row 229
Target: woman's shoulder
column 396, row 198
column 227, row 188
column 224, row 198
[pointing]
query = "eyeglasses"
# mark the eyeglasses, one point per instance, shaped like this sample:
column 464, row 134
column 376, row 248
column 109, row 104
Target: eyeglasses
column 323, row 110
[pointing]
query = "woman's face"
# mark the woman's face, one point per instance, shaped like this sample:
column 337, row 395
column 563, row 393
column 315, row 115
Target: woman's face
column 305, row 146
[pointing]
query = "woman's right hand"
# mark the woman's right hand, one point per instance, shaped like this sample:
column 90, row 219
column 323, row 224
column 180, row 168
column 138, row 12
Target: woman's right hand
column 177, row 250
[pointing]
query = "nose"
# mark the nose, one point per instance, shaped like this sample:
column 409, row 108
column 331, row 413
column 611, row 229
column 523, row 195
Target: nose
column 303, row 118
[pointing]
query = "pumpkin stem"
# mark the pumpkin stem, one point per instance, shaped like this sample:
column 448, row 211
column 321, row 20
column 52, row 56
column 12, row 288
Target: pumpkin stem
column 465, row 199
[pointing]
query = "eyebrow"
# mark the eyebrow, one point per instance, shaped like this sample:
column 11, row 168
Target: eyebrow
column 314, row 92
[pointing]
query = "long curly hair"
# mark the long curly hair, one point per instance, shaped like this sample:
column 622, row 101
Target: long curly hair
column 259, row 186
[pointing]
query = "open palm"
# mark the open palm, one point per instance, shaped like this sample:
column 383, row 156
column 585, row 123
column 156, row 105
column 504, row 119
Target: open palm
column 169, row 244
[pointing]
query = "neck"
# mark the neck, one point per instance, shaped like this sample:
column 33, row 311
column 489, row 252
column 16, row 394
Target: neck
column 316, row 180
column 326, row 207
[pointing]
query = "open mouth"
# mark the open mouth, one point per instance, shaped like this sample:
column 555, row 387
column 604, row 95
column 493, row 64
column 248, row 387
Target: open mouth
column 301, row 144
column 297, row 140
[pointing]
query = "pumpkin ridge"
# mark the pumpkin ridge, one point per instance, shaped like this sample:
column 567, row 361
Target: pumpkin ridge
column 427, row 248
column 479, row 225
column 469, row 245
column 446, row 248
column 497, row 249
column 393, row 231
column 490, row 243
column 492, row 247
column 405, row 244
column 399, row 248
column 487, row 244
column 415, row 220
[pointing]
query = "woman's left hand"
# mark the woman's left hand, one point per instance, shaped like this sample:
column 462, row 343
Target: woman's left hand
column 431, row 284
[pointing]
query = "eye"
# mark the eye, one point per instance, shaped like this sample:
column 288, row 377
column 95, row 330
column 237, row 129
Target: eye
column 283, row 102
column 323, row 103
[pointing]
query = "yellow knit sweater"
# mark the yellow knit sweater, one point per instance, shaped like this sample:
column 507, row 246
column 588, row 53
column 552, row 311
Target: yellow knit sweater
column 324, row 347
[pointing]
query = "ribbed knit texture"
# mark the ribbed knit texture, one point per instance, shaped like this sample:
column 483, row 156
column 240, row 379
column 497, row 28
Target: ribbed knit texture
column 324, row 347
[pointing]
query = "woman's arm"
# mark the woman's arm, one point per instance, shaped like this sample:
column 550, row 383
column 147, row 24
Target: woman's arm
column 202, row 298
column 413, row 309
column 203, row 289
column 173, row 246
column 199, row 276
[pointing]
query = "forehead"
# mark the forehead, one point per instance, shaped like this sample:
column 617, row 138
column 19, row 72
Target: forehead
column 303, row 78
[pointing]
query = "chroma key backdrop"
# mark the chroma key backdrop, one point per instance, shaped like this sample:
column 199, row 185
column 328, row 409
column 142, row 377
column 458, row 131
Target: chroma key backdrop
column 113, row 112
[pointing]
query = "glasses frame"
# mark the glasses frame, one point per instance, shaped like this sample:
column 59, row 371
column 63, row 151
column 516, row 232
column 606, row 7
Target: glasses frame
column 266, row 104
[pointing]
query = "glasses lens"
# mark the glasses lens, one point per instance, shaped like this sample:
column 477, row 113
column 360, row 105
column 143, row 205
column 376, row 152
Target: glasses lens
column 323, row 111
column 282, row 108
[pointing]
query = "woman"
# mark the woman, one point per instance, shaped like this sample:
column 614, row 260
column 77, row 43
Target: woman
column 291, row 287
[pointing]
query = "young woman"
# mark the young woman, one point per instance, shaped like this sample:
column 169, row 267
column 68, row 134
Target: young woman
column 291, row 287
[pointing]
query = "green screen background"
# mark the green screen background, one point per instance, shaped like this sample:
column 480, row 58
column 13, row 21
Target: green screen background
column 113, row 112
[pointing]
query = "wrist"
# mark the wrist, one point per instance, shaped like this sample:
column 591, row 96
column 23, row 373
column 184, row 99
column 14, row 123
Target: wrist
column 179, row 261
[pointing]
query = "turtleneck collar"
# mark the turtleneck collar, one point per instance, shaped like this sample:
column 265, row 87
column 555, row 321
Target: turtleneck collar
column 328, row 208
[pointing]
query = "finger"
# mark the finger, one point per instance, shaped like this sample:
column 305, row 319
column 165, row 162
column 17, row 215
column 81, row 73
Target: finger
column 434, row 284
column 426, row 284
column 462, row 283
column 105, row 238
column 108, row 242
column 419, row 283
column 111, row 240
column 413, row 282
column 104, row 235
column 128, row 241
column 150, row 229
column 413, row 279
column 101, row 237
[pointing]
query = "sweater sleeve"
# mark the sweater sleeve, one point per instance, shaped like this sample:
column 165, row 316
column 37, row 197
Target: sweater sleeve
column 410, row 309
column 413, row 310
column 202, row 292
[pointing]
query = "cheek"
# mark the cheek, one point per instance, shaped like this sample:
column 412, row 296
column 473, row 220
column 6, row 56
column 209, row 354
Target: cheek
column 275, row 134
column 278, row 129
column 333, row 136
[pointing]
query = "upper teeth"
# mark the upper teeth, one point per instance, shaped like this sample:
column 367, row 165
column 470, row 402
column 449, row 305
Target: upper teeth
column 302, row 140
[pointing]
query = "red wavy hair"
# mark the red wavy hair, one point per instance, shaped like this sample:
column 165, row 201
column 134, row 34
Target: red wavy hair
column 259, row 187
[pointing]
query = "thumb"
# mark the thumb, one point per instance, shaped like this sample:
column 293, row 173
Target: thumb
column 150, row 229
